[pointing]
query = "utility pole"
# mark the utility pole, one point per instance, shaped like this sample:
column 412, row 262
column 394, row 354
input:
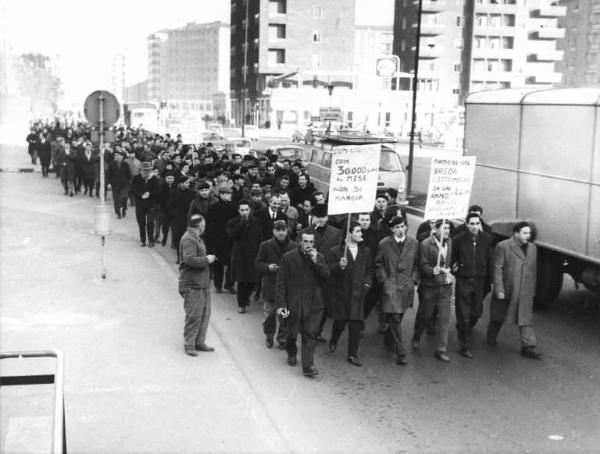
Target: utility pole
column 413, row 121
column 245, row 71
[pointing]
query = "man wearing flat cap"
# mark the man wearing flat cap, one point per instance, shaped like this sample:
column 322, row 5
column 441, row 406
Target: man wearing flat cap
column 267, row 263
column 194, row 286
column 203, row 200
column 146, row 190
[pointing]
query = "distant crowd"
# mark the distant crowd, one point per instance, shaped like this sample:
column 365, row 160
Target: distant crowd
column 257, row 227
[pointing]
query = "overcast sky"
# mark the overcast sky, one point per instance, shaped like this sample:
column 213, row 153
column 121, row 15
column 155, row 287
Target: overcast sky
column 84, row 36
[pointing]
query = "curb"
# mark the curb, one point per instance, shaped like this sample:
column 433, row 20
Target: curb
column 19, row 170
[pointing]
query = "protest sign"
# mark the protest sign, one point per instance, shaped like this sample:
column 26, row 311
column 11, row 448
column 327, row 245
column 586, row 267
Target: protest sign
column 450, row 184
column 353, row 181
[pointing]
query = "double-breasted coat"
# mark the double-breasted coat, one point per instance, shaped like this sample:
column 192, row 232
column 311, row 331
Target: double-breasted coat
column 514, row 274
column 271, row 251
column 397, row 271
column 299, row 287
column 217, row 241
column 349, row 286
column 246, row 239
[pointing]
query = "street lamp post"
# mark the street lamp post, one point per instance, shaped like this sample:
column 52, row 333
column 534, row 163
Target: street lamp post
column 413, row 122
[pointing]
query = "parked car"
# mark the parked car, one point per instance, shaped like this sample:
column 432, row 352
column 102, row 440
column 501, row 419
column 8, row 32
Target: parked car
column 242, row 146
column 291, row 152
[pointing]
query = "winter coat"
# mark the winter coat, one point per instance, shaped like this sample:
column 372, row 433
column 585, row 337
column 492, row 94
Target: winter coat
column 349, row 286
column 269, row 252
column 118, row 176
column 298, row 288
column 194, row 269
column 472, row 260
column 217, row 241
column 139, row 186
column 513, row 274
column 246, row 239
column 428, row 259
column 326, row 238
column 44, row 151
column 266, row 221
column 397, row 272
column 88, row 170
column 179, row 203
column 200, row 205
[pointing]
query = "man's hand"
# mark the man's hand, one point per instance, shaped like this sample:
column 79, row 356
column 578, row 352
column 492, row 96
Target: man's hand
column 273, row 267
column 501, row 295
column 282, row 312
column 343, row 263
column 211, row 258
column 313, row 255
column 145, row 195
column 437, row 269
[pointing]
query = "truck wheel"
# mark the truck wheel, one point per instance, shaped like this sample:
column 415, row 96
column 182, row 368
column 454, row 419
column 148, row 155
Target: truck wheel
column 549, row 279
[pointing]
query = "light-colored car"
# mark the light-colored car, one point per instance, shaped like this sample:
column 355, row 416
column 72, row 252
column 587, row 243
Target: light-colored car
column 291, row 152
column 251, row 132
column 242, row 146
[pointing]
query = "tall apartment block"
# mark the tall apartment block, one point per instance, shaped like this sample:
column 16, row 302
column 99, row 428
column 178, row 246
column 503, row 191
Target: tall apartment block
column 581, row 65
column 273, row 38
column 188, row 67
column 471, row 45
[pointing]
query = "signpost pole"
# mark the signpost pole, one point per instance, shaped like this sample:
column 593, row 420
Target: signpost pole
column 347, row 233
column 102, row 195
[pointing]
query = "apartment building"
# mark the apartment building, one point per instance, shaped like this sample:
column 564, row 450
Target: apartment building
column 188, row 67
column 581, row 65
column 273, row 40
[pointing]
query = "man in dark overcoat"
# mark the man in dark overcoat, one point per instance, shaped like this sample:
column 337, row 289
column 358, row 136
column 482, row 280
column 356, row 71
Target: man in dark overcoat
column 396, row 268
column 351, row 276
column 245, row 231
column 146, row 190
column 267, row 217
column 514, row 278
column 471, row 258
column 267, row 263
column 217, row 241
column 119, row 176
column 302, row 275
column 178, row 206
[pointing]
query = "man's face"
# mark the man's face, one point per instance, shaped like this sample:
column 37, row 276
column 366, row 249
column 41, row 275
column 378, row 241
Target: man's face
column 244, row 210
column 307, row 242
column 237, row 159
column 255, row 186
column 399, row 230
column 185, row 184
column 320, row 199
column 284, row 183
column 302, row 181
column 381, row 203
column 226, row 196
column 118, row 156
column 204, row 193
column 280, row 234
column 270, row 169
column 170, row 179
column 239, row 181
column 285, row 200
column 253, row 171
column 145, row 173
column 286, row 165
column 275, row 203
column 307, row 206
column 356, row 235
column 202, row 226
column 443, row 231
column 524, row 235
column 365, row 221
column 320, row 222
column 474, row 225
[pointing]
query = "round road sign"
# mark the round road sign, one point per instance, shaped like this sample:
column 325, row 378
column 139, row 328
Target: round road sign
column 110, row 108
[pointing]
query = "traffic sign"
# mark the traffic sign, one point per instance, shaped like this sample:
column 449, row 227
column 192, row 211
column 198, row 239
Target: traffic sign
column 106, row 101
column 387, row 66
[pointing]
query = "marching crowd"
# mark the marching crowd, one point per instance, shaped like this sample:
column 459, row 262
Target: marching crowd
column 256, row 227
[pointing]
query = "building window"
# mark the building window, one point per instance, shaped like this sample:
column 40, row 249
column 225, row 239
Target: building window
column 317, row 12
column 404, row 23
column 276, row 57
column 276, row 32
column 481, row 20
column 478, row 64
column 459, row 21
column 508, row 42
column 508, row 20
column 388, row 119
column 277, row 7
column 402, row 45
column 456, row 91
column 458, row 43
column 480, row 42
column 316, row 36
column 506, row 65
column 494, row 42
column 316, row 61
column 457, row 67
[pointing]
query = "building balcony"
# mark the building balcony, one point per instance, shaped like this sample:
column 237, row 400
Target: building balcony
column 549, row 33
column 545, row 78
column 432, row 6
column 430, row 29
column 430, row 51
column 548, row 55
column 551, row 11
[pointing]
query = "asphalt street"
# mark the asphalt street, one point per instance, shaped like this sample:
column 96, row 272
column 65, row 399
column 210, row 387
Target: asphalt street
column 130, row 388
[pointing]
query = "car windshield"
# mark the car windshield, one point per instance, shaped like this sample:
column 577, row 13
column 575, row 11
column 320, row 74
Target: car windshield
column 389, row 161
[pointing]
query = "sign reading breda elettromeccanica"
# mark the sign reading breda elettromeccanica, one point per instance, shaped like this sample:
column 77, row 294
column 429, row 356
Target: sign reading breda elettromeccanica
column 450, row 184
column 353, row 182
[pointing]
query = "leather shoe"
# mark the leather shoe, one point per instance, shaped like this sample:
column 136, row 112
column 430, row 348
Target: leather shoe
column 292, row 361
column 218, row 291
column 310, row 371
column 491, row 342
column 242, row 310
column 354, row 361
column 204, row 348
column 190, row 351
column 332, row 346
column 466, row 352
column 269, row 341
column 401, row 361
column 530, row 352
column 442, row 356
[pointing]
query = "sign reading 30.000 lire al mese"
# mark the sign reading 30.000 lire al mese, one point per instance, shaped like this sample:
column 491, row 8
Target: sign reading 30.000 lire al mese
column 353, row 181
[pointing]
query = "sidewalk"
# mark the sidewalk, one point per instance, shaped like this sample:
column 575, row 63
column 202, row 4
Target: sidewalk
column 129, row 387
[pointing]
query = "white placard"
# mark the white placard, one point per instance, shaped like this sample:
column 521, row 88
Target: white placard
column 353, row 182
column 450, row 184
